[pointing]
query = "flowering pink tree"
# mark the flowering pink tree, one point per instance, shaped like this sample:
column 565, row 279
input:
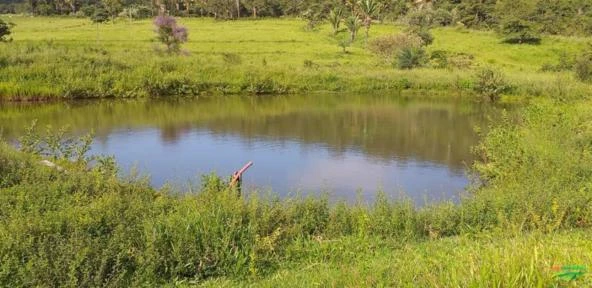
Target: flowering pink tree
column 169, row 33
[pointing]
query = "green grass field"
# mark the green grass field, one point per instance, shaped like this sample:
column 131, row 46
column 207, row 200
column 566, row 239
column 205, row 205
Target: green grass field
column 73, row 58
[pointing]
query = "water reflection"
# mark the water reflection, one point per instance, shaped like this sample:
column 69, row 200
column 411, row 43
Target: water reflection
column 298, row 143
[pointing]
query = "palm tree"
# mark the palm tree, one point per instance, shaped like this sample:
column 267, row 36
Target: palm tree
column 368, row 10
column 353, row 24
column 335, row 17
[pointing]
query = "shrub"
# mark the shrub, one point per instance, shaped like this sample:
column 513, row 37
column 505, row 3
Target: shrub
column 517, row 31
column 5, row 31
column 78, row 14
column 169, row 33
column 314, row 16
column 344, row 43
column 439, row 59
column 461, row 60
column 353, row 24
column 335, row 18
column 44, row 9
column 583, row 68
column 442, row 17
column 491, row 84
column 389, row 46
column 141, row 12
column 88, row 10
column 583, row 65
column 420, row 18
column 100, row 15
column 444, row 59
column 426, row 36
column 411, row 57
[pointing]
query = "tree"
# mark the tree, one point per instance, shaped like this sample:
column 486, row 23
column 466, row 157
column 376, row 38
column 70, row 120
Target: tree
column 113, row 7
column 353, row 24
column 517, row 24
column 99, row 16
column 221, row 8
column 335, row 17
column 255, row 6
column 477, row 13
column 491, row 84
column 5, row 31
column 517, row 31
column 411, row 57
column 315, row 15
column 368, row 10
column 170, row 33
column 343, row 42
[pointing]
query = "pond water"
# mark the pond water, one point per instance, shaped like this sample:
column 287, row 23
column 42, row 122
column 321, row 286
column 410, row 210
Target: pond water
column 348, row 146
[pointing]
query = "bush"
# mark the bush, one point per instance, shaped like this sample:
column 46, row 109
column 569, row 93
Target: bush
column 439, row 59
column 517, row 31
column 78, row 14
column 583, row 65
column 420, row 18
column 99, row 15
column 88, row 10
column 411, row 57
column 169, row 33
column 583, row 68
column 491, row 84
column 314, row 16
column 5, row 31
column 460, row 60
column 44, row 10
column 141, row 12
column 442, row 17
column 426, row 36
column 387, row 47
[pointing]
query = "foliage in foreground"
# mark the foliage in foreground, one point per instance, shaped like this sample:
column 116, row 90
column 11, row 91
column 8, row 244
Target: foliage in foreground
column 83, row 227
column 487, row 260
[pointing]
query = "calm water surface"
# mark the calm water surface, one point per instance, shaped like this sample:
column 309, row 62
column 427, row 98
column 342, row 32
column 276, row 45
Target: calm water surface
column 344, row 145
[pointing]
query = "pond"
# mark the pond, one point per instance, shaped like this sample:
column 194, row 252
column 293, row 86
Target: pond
column 347, row 146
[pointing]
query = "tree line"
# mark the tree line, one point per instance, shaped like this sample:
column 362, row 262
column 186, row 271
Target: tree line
column 523, row 17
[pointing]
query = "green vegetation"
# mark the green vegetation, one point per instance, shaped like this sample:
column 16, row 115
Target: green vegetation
column 557, row 17
column 68, row 63
column 78, row 224
column 5, row 31
column 77, row 227
column 170, row 33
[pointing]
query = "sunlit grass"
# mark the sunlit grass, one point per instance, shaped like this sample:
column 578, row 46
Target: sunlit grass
column 74, row 58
